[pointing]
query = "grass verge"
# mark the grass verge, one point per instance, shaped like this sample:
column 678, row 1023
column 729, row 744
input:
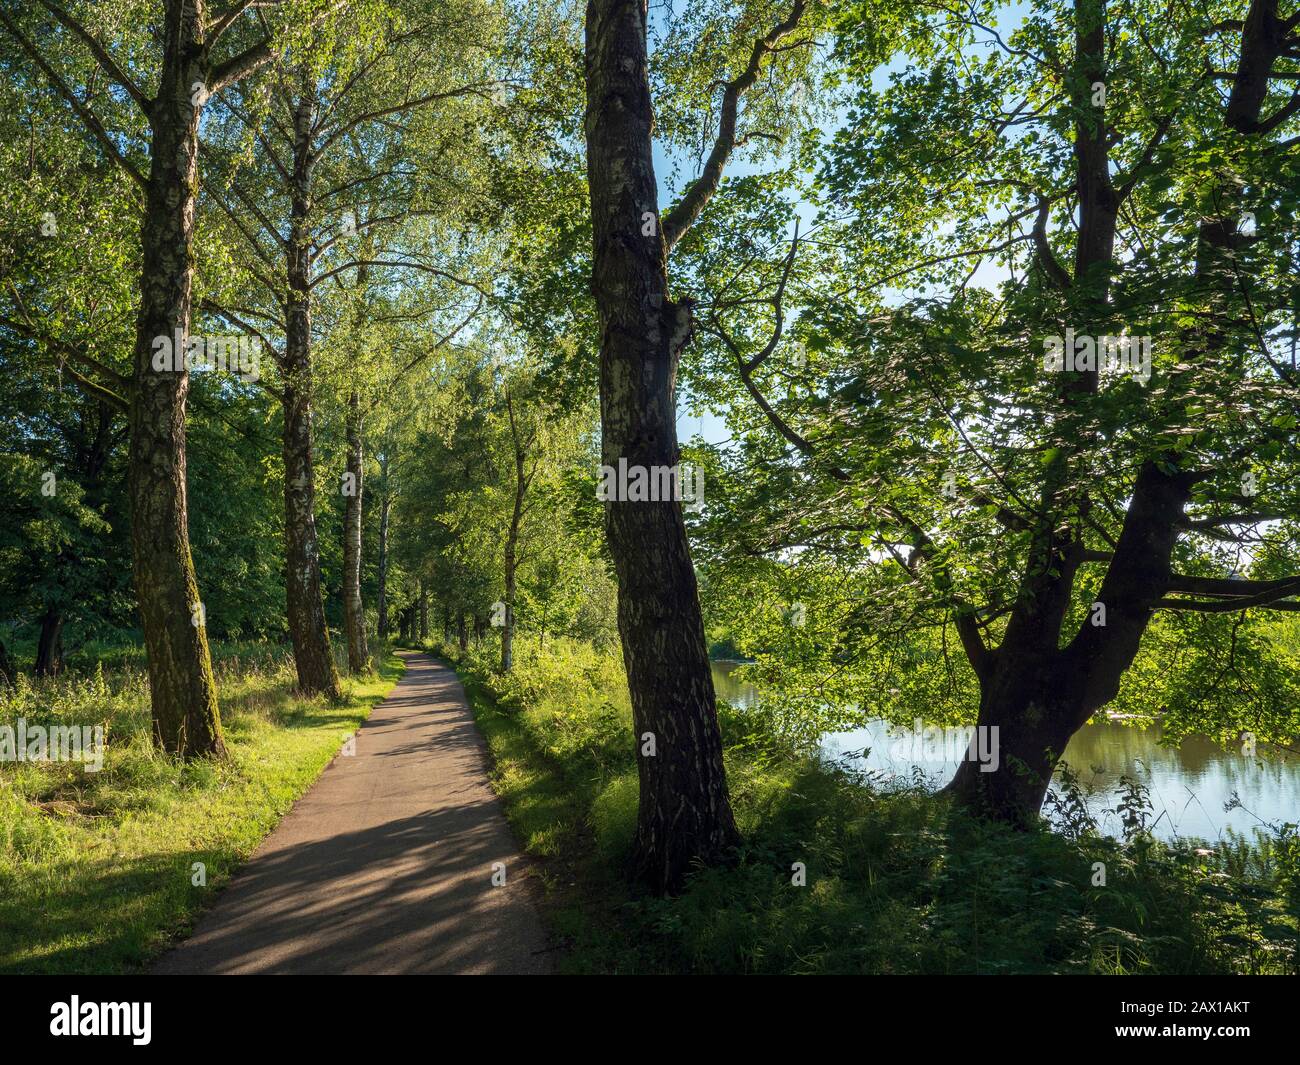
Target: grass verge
column 98, row 869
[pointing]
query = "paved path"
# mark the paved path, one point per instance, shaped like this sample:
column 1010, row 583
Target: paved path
column 385, row 865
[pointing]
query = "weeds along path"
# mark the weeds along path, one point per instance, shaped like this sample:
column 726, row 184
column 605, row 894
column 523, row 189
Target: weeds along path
column 397, row 860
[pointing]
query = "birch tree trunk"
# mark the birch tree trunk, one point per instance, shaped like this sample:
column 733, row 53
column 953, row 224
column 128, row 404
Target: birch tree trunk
column 685, row 815
column 312, row 654
column 354, row 614
column 182, row 690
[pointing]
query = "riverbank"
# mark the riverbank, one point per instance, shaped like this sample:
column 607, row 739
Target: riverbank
column 98, row 870
column 838, row 876
column 1198, row 789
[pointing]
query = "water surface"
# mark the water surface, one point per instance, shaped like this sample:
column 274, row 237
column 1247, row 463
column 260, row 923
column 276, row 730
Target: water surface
column 1189, row 784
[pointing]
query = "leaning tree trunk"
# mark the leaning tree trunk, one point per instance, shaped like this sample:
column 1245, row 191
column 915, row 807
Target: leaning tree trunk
column 1033, row 694
column 1031, row 700
column 685, row 815
column 49, row 649
column 182, row 690
column 354, row 613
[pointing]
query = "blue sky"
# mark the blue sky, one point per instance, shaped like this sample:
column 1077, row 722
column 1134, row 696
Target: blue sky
column 670, row 164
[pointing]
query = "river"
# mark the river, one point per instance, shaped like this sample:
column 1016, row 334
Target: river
column 1189, row 784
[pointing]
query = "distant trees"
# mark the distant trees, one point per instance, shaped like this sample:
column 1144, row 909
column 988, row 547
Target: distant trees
column 337, row 186
column 484, row 524
column 333, row 168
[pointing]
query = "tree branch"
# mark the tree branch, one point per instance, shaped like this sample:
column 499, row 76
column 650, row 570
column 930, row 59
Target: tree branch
column 383, row 112
column 1235, row 589
column 1051, row 265
column 83, row 112
column 701, row 190
column 476, row 286
column 776, row 302
column 239, row 66
column 70, row 352
column 101, row 55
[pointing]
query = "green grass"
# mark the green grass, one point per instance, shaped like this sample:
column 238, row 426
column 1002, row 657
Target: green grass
column 897, row 881
column 97, row 868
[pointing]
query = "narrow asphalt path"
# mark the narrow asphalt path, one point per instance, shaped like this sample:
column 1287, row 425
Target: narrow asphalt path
column 386, row 864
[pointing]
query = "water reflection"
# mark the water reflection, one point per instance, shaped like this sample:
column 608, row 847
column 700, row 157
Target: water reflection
column 1189, row 784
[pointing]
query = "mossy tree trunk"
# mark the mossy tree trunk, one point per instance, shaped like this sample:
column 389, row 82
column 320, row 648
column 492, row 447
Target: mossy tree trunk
column 182, row 690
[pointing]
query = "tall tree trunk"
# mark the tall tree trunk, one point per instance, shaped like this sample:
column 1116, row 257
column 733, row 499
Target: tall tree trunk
column 385, row 503
column 312, row 654
column 49, row 649
column 462, row 632
column 424, row 612
column 354, row 613
column 685, row 815
column 1030, row 705
column 182, row 690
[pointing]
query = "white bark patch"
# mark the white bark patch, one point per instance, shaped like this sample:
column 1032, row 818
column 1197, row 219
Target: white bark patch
column 682, row 326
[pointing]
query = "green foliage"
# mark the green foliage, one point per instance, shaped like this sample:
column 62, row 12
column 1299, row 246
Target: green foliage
column 482, row 430
column 897, row 882
column 909, row 405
